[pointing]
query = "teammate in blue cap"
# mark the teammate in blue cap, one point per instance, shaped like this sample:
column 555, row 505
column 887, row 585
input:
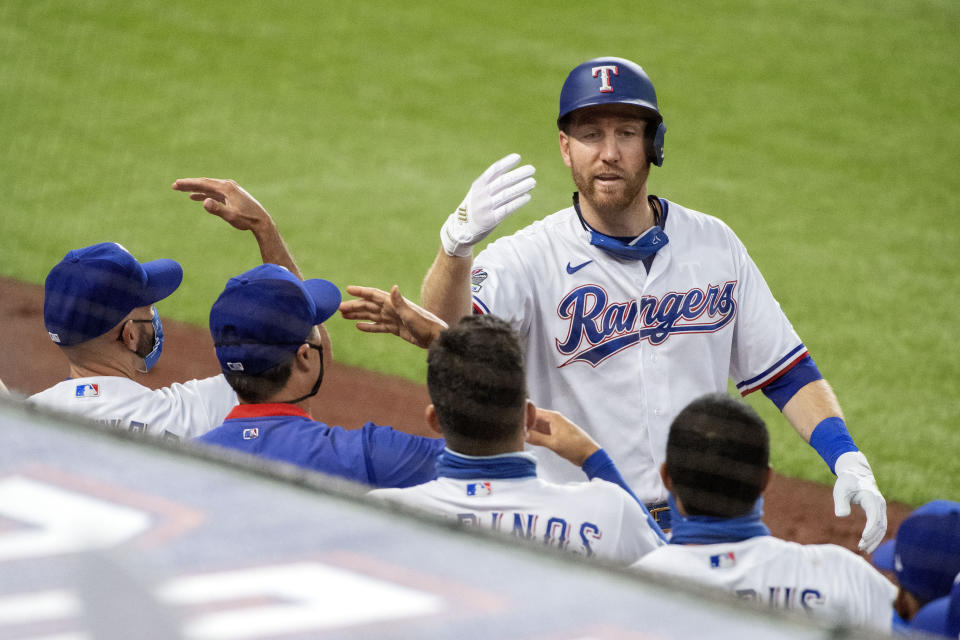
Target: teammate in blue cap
column 942, row 616
column 630, row 305
column 925, row 557
column 99, row 308
column 265, row 327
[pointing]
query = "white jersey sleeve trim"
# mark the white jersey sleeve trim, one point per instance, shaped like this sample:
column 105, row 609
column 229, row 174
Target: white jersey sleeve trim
column 773, row 372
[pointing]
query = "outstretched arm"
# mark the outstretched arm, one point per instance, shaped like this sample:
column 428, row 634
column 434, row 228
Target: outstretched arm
column 228, row 200
column 496, row 194
column 446, row 287
column 815, row 414
column 382, row 312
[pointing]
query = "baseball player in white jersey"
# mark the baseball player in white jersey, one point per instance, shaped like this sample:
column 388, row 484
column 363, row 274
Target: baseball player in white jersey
column 630, row 305
column 476, row 381
column 716, row 467
column 99, row 308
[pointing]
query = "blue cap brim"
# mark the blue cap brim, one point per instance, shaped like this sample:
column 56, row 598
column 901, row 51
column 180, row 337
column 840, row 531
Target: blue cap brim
column 163, row 278
column 883, row 556
column 326, row 297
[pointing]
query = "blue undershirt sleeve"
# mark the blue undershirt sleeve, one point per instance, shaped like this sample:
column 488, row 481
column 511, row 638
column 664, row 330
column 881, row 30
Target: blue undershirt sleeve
column 396, row 460
column 796, row 377
column 600, row 465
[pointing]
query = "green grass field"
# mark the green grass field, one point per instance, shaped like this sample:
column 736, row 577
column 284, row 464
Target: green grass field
column 825, row 134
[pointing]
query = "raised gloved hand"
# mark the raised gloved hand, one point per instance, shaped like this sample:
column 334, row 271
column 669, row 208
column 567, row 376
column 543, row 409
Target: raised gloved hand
column 496, row 194
column 856, row 484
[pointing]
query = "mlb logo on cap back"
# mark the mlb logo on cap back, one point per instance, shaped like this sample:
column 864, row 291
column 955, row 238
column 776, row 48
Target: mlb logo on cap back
column 92, row 289
column 263, row 316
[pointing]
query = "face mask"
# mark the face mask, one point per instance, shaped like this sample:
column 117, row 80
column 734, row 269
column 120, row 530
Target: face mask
column 151, row 358
column 642, row 247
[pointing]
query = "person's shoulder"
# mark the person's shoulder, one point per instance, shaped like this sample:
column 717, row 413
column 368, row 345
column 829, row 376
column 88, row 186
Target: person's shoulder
column 89, row 387
column 667, row 558
column 595, row 490
column 835, row 555
column 542, row 230
column 685, row 217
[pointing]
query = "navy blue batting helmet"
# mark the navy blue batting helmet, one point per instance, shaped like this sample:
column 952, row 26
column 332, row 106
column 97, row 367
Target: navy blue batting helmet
column 612, row 80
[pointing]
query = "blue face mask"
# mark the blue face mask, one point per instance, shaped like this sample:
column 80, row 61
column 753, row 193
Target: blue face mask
column 151, row 358
column 640, row 248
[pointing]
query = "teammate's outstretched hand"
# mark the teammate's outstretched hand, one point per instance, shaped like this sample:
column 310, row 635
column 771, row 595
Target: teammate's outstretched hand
column 555, row 432
column 496, row 194
column 227, row 199
column 382, row 312
column 856, row 484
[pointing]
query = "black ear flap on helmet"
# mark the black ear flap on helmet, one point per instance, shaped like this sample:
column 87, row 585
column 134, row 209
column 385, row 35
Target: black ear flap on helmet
column 656, row 145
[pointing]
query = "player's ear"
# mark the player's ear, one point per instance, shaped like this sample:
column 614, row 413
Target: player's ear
column 767, row 477
column 529, row 418
column 565, row 147
column 432, row 421
column 127, row 335
column 667, row 482
column 303, row 356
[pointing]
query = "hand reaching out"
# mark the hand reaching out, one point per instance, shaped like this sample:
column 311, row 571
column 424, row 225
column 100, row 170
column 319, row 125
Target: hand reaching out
column 382, row 312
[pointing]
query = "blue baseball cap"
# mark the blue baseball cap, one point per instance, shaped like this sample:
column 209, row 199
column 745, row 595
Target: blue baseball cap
column 92, row 289
column 942, row 616
column 925, row 556
column 265, row 314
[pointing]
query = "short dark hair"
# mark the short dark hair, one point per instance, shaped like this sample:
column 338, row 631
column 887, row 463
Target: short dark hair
column 476, row 380
column 259, row 388
column 718, row 453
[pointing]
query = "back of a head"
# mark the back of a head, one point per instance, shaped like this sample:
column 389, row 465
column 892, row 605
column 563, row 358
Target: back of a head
column 259, row 322
column 94, row 288
column 476, row 380
column 718, row 453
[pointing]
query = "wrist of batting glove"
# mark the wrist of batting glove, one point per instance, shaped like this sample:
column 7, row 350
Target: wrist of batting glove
column 856, row 484
column 493, row 196
column 453, row 238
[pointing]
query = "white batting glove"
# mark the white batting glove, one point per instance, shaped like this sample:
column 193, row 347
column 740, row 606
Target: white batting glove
column 493, row 196
column 855, row 483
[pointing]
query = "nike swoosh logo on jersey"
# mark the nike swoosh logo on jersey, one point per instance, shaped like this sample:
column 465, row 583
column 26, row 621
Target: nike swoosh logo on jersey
column 572, row 270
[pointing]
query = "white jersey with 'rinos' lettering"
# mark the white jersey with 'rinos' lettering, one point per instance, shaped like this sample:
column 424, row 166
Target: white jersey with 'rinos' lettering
column 824, row 580
column 595, row 518
column 621, row 352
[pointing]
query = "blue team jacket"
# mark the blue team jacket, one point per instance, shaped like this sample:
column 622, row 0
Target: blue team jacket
column 374, row 455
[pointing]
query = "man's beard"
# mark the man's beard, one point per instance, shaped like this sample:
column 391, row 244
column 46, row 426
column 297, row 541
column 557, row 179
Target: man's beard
column 606, row 201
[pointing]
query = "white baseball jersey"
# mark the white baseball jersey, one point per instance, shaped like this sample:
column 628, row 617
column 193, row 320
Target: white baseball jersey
column 822, row 579
column 183, row 410
column 588, row 518
column 621, row 352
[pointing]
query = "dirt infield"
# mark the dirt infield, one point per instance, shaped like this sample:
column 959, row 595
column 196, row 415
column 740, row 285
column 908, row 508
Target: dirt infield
column 795, row 509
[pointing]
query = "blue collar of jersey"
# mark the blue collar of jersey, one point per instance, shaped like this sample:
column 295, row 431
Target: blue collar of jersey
column 711, row 530
column 506, row 465
column 640, row 248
